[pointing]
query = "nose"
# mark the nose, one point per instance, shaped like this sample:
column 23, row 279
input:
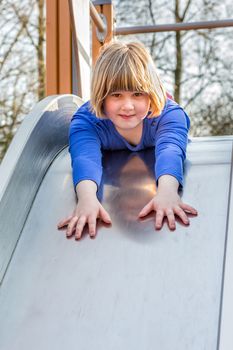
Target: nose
column 127, row 105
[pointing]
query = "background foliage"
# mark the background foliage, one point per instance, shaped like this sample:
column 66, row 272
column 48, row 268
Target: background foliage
column 196, row 66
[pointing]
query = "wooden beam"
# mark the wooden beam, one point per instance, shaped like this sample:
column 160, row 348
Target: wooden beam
column 58, row 48
column 107, row 11
column 64, row 49
column 51, row 47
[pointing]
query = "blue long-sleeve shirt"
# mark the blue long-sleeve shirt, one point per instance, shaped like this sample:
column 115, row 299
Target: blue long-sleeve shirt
column 88, row 135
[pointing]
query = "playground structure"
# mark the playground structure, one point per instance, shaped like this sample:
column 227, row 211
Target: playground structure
column 131, row 287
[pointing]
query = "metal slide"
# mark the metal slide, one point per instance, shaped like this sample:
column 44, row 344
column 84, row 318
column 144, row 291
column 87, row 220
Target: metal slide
column 132, row 287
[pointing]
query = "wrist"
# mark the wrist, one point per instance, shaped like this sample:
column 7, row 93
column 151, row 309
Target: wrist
column 86, row 189
column 168, row 183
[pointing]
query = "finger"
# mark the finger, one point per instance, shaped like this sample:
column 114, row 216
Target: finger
column 180, row 212
column 159, row 219
column 146, row 210
column 188, row 208
column 171, row 219
column 92, row 226
column 105, row 216
column 79, row 227
column 64, row 222
column 71, row 226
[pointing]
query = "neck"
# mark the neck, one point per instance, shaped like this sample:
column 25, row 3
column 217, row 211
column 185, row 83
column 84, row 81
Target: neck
column 133, row 136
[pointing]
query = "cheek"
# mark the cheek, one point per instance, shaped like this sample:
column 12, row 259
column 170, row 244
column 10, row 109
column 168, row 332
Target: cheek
column 107, row 107
column 110, row 108
column 145, row 106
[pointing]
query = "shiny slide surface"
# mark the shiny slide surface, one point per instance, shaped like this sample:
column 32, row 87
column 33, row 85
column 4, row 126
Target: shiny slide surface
column 131, row 287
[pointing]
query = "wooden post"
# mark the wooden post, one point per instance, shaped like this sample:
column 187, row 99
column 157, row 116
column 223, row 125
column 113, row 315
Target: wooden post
column 65, row 48
column 51, row 48
column 106, row 8
column 58, row 48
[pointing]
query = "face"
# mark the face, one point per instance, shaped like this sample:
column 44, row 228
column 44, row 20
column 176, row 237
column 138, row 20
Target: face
column 126, row 109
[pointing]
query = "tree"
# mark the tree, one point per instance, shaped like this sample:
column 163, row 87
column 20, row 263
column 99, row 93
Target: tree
column 22, row 66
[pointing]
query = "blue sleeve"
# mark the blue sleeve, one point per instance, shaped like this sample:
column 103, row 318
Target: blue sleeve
column 85, row 149
column 171, row 142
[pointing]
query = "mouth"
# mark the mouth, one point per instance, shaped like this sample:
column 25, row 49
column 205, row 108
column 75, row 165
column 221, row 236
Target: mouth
column 125, row 116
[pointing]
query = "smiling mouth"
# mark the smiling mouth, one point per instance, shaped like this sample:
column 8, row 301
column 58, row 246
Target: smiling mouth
column 126, row 116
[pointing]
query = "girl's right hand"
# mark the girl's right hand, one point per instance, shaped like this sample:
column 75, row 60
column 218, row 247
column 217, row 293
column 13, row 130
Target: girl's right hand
column 86, row 212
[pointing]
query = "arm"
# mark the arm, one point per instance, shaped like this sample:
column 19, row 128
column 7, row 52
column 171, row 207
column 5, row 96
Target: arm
column 85, row 150
column 171, row 141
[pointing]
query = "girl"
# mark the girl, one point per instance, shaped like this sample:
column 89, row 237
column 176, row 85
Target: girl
column 129, row 109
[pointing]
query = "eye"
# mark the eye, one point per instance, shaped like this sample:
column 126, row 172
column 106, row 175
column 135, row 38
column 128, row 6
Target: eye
column 137, row 94
column 115, row 94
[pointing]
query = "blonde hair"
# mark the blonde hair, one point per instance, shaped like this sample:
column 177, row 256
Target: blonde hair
column 127, row 67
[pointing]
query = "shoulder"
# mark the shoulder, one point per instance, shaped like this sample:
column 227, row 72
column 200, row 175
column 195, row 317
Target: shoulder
column 173, row 112
column 85, row 122
column 170, row 105
column 85, row 114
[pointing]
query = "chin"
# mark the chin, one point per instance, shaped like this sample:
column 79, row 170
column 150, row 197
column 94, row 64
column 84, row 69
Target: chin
column 127, row 127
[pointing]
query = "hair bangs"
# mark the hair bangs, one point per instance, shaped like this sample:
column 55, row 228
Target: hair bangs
column 126, row 77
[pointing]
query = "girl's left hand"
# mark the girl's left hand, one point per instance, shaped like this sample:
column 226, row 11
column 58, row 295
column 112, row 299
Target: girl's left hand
column 168, row 204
